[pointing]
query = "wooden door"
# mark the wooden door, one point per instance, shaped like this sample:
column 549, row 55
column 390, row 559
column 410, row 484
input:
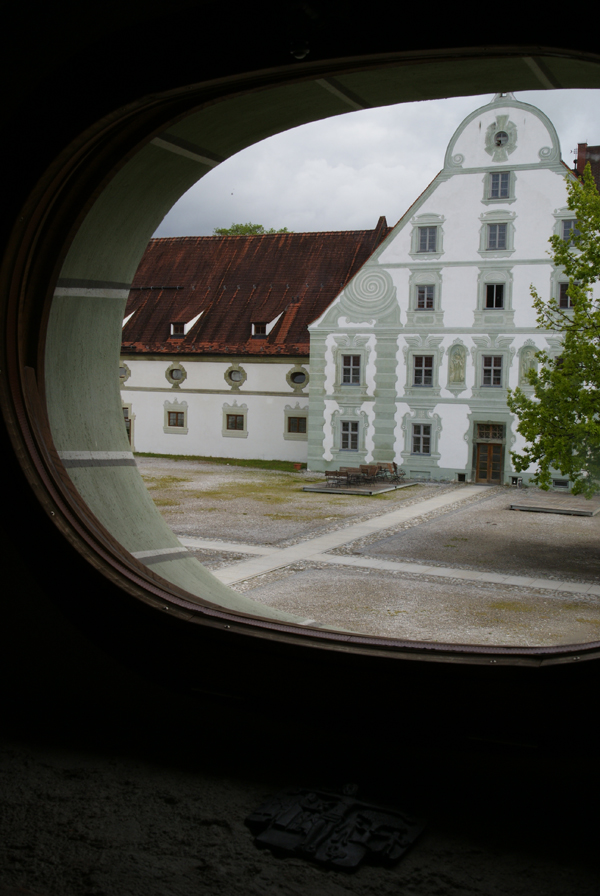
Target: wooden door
column 489, row 463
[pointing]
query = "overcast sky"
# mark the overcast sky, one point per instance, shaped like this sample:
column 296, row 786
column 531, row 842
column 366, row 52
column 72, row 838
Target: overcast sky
column 344, row 172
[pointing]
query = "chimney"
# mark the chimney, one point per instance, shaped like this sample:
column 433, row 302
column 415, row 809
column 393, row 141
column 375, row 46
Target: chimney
column 581, row 158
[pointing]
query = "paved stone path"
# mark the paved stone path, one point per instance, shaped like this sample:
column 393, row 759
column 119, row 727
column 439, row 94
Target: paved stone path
column 267, row 558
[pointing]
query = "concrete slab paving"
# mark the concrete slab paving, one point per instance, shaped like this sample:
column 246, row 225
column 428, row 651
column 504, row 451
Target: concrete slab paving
column 306, row 549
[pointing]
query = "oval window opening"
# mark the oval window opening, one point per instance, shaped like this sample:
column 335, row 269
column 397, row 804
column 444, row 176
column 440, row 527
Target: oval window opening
column 410, row 299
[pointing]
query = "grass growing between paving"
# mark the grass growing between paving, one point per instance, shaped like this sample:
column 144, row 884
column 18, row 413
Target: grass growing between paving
column 271, row 490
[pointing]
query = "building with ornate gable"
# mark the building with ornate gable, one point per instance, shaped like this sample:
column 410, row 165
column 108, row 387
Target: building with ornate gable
column 412, row 361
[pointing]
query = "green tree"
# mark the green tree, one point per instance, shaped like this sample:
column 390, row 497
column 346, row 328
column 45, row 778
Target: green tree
column 561, row 420
column 246, row 229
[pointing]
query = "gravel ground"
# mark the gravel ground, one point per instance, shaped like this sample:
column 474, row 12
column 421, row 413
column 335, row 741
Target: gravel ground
column 245, row 505
column 426, row 608
column 490, row 536
column 85, row 823
column 250, row 506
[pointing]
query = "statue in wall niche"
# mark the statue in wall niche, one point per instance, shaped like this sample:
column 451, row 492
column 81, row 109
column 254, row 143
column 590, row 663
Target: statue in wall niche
column 527, row 364
column 457, row 364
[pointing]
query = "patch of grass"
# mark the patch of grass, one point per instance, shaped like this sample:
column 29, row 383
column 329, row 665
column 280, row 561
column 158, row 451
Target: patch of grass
column 282, row 465
column 165, row 502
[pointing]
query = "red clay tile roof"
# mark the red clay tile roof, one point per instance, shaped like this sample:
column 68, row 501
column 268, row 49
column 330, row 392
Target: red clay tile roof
column 236, row 281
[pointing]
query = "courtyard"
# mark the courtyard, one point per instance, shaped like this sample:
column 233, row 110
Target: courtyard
column 435, row 562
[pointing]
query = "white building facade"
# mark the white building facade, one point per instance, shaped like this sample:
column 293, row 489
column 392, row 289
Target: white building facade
column 241, row 407
column 412, row 361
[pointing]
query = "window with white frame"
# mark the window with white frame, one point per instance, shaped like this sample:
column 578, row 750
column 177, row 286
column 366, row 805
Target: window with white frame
column 496, row 236
column 427, row 236
column 295, row 423
column 494, row 295
column 499, row 185
column 425, row 297
column 427, row 239
column 349, row 435
column 564, row 299
column 176, row 417
column 421, row 438
column 235, row 421
column 351, row 370
column 491, row 370
column 423, row 370
column 568, row 228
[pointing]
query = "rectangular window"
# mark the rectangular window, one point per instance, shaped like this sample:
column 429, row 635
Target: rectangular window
column 424, row 297
column 349, row 435
column 176, row 418
column 296, row 424
column 235, row 421
column 421, row 438
column 496, row 236
column 564, row 298
column 494, row 295
column 423, row 370
column 427, row 239
column 569, row 229
column 490, row 431
column 500, row 185
column 177, row 329
column 492, row 370
column 351, row 370
column 259, row 329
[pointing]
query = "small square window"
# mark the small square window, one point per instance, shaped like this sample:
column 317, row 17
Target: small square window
column 500, row 185
column 421, row 438
column 496, row 236
column 423, row 370
column 425, row 296
column 427, row 239
column 176, row 418
column 492, row 370
column 349, row 435
column 235, row 421
column 259, row 329
column 351, row 370
column 565, row 300
column 494, row 295
column 177, row 329
column 296, row 424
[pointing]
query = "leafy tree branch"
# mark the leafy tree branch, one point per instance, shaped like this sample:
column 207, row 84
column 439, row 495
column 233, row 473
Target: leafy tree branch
column 561, row 419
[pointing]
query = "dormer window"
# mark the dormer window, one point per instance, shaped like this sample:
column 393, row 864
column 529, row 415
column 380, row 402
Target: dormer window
column 178, row 329
column 259, row 329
